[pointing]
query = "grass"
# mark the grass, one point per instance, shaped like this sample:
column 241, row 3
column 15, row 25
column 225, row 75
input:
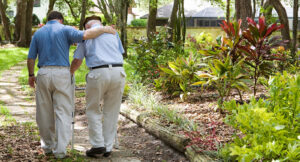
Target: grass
column 6, row 115
column 139, row 96
column 136, row 33
column 11, row 56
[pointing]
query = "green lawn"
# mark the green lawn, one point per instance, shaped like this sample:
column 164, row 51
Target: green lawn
column 11, row 56
column 136, row 33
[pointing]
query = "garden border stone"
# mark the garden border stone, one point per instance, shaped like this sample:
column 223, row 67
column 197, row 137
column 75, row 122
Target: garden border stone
column 176, row 141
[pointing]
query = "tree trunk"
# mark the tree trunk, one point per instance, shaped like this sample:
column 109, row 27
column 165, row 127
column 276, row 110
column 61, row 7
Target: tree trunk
column 151, row 25
column 180, row 24
column 254, row 9
column 122, row 13
column 237, row 10
column 172, row 20
column 22, row 40
column 103, row 8
column 268, row 10
column 83, row 11
column 261, row 6
column 243, row 10
column 228, row 11
column 5, row 21
column 176, row 141
column 18, row 20
column 51, row 6
column 295, row 29
column 28, row 28
column 285, row 32
column 75, row 16
column 183, row 29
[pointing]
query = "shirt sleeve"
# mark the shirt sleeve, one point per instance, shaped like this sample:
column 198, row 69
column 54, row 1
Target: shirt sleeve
column 80, row 51
column 120, row 44
column 33, row 50
column 74, row 35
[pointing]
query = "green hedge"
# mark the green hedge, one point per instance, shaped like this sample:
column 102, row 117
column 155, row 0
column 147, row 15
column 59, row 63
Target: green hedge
column 139, row 23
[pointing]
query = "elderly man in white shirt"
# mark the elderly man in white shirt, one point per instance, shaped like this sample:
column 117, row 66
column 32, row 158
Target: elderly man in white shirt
column 105, row 84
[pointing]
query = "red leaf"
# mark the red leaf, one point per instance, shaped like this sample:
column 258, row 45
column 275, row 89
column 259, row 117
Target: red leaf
column 251, row 21
column 262, row 25
column 232, row 29
column 273, row 28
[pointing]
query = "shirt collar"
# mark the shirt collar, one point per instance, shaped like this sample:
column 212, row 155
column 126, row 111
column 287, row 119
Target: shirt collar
column 95, row 25
column 52, row 22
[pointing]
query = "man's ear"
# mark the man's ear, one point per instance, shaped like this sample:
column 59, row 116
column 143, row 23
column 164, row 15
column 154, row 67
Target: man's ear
column 61, row 21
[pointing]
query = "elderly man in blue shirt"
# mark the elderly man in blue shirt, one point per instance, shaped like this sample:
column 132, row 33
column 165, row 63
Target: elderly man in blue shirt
column 54, row 90
column 105, row 84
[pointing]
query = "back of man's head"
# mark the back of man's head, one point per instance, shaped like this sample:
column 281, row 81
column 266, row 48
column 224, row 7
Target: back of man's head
column 90, row 18
column 55, row 15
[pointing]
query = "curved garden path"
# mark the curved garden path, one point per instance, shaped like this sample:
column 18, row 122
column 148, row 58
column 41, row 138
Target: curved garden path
column 135, row 144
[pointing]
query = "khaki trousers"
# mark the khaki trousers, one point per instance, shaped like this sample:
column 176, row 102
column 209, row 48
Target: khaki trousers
column 55, row 104
column 104, row 86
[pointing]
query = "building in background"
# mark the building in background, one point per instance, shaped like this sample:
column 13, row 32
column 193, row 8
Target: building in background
column 40, row 8
column 203, row 14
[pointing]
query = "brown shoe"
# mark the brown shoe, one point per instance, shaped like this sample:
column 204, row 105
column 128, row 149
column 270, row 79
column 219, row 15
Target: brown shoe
column 107, row 154
column 94, row 151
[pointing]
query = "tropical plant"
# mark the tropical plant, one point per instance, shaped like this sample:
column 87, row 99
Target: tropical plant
column 228, row 47
column 148, row 55
column 199, row 41
column 178, row 77
column 258, row 45
column 229, row 44
column 270, row 128
column 225, row 76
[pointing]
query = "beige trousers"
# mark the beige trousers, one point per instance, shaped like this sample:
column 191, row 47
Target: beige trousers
column 55, row 104
column 104, row 86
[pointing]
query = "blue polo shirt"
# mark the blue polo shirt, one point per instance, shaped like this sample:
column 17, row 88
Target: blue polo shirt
column 103, row 50
column 52, row 42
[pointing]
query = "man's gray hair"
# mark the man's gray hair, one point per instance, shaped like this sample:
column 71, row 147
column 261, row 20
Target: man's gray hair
column 92, row 22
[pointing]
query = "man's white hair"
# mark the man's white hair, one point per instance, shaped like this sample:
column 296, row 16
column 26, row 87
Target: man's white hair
column 92, row 22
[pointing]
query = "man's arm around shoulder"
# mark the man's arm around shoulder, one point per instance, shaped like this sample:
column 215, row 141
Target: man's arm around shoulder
column 95, row 32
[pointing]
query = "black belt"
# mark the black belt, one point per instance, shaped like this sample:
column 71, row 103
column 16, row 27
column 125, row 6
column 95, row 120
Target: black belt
column 106, row 66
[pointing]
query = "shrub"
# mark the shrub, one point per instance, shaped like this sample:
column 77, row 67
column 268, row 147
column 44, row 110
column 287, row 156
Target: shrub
column 199, row 41
column 270, row 127
column 148, row 56
column 178, row 76
column 225, row 76
column 139, row 22
column 258, row 47
column 35, row 20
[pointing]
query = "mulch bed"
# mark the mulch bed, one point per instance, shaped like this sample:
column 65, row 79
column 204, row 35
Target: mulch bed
column 19, row 143
column 201, row 109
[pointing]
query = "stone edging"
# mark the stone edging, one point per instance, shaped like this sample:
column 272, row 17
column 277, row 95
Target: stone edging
column 178, row 142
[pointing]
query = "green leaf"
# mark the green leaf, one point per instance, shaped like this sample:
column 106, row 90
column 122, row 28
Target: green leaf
column 168, row 71
column 204, row 75
column 182, row 87
column 199, row 83
column 173, row 67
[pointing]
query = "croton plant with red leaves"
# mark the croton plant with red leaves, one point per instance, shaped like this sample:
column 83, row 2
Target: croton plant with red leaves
column 257, row 47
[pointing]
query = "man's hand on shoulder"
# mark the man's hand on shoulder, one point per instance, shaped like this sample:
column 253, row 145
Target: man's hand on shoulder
column 110, row 30
column 95, row 32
